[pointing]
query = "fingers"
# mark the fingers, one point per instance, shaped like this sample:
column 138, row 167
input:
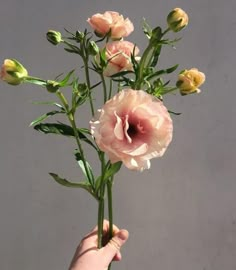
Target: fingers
column 90, row 240
column 112, row 249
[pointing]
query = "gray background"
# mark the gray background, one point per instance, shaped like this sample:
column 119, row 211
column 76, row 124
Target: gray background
column 181, row 214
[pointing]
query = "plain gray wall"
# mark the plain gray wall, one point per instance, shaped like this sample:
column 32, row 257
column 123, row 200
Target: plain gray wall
column 181, row 214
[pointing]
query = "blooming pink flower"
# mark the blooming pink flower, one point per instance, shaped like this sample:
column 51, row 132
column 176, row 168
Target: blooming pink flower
column 133, row 127
column 111, row 21
column 118, row 54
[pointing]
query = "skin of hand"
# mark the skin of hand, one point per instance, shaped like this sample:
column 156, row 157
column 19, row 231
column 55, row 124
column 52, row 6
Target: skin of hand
column 89, row 257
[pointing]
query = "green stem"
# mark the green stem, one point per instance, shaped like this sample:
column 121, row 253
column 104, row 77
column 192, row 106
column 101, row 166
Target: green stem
column 166, row 31
column 104, row 88
column 101, row 203
column 110, row 89
column 73, row 124
column 35, row 80
column 110, row 213
column 142, row 66
column 86, row 68
column 100, row 218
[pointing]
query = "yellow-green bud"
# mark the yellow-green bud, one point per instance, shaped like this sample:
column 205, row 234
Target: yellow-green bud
column 177, row 19
column 54, row 37
column 52, row 86
column 13, row 72
column 93, row 48
column 189, row 81
column 79, row 36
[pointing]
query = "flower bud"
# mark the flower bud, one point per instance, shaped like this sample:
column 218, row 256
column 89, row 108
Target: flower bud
column 189, row 81
column 13, row 72
column 79, row 36
column 52, row 86
column 177, row 19
column 93, row 48
column 54, row 37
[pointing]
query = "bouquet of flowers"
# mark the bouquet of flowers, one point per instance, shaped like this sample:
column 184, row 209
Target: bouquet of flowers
column 133, row 126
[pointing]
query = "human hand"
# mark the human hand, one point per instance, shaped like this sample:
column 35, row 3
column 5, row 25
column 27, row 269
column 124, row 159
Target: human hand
column 89, row 257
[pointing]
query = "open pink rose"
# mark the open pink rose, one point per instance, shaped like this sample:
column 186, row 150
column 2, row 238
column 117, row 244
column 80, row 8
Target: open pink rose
column 133, row 127
column 118, row 54
column 111, row 21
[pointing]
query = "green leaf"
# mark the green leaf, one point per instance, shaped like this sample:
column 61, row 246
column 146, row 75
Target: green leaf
column 156, row 55
column 65, row 130
column 146, row 29
column 162, row 71
column 44, row 116
column 98, row 183
column 171, row 69
column 48, row 103
column 55, row 128
column 90, row 176
column 114, row 168
column 64, row 182
column 66, row 79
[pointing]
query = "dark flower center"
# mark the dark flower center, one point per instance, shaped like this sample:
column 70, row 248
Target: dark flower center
column 132, row 130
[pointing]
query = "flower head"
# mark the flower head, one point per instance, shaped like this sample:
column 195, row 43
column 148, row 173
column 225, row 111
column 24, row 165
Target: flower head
column 118, row 55
column 13, row 72
column 112, row 22
column 54, row 37
column 177, row 19
column 189, row 81
column 133, row 127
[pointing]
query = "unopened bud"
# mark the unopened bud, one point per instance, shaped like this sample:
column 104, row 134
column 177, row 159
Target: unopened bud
column 189, row 81
column 93, row 48
column 54, row 37
column 79, row 36
column 177, row 19
column 13, row 72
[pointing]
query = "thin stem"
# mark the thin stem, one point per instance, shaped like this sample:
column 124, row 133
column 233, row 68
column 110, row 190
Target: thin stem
column 73, row 124
column 100, row 218
column 166, row 31
column 104, row 87
column 110, row 89
column 110, row 212
column 142, row 66
column 35, row 80
column 101, row 203
column 88, row 84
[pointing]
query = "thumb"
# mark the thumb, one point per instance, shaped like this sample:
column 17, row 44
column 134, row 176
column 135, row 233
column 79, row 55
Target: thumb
column 114, row 245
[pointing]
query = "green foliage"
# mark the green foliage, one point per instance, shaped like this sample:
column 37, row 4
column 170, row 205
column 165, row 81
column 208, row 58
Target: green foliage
column 85, row 167
column 65, row 130
column 64, row 182
column 45, row 116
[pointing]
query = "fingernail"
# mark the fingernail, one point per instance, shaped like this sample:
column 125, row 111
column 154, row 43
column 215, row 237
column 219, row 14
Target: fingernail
column 123, row 234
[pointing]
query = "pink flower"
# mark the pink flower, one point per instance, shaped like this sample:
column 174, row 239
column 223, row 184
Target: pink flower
column 118, row 54
column 111, row 21
column 133, row 127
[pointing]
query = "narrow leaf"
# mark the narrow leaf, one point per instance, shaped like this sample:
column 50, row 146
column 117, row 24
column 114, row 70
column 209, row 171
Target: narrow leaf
column 114, row 168
column 48, row 103
column 66, row 79
column 90, row 176
column 64, row 182
column 44, row 116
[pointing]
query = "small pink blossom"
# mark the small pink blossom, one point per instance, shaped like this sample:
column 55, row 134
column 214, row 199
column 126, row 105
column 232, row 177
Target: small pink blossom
column 111, row 21
column 118, row 55
column 133, row 127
